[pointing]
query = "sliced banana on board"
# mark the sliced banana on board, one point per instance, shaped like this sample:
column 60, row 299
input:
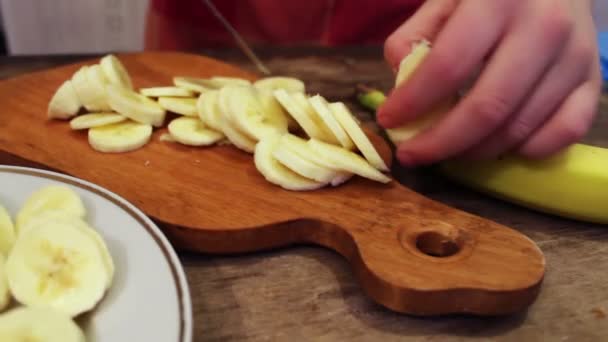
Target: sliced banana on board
column 97, row 81
column 7, row 231
column 179, row 105
column 290, row 84
column 5, row 292
column 135, row 106
column 42, row 324
column 50, row 198
column 91, row 120
column 303, row 166
column 275, row 172
column 299, row 114
column 120, row 137
column 166, row 92
column 57, row 265
column 86, row 92
column 321, row 106
column 192, row 131
column 115, row 72
column 65, row 103
column 234, row 135
column 347, row 161
column 208, row 109
column 356, row 133
column 248, row 114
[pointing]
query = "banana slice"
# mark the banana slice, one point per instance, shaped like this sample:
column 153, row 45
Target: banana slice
column 275, row 112
column 345, row 160
column 166, row 92
column 275, row 172
column 290, row 84
column 222, row 81
column 87, row 93
column 115, row 72
column 7, row 231
column 351, row 126
column 236, row 137
column 300, row 114
column 299, row 146
column 39, row 324
column 98, row 83
column 178, row 105
column 201, row 85
column 410, row 63
column 57, row 265
column 95, row 120
column 248, row 115
column 65, row 103
column 5, row 292
column 321, row 106
column 120, row 137
column 302, row 166
column 51, row 198
column 413, row 128
column 192, row 131
column 326, row 136
column 208, row 109
column 135, row 106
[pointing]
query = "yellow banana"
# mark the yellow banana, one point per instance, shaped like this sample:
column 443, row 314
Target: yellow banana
column 572, row 183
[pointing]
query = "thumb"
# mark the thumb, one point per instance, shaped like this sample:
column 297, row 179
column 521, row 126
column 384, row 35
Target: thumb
column 424, row 24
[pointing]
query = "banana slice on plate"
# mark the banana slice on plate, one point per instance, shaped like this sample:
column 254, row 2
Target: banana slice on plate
column 135, row 106
column 355, row 132
column 120, row 137
column 234, row 135
column 115, row 72
column 39, row 324
column 166, row 92
column 192, row 131
column 179, row 105
column 248, row 114
column 91, row 120
column 321, row 106
column 208, row 109
column 7, row 231
column 65, row 103
column 59, row 217
column 57, row 265
column 290, row 84
column 58, row 198
column 347, row 161
column 275, row 172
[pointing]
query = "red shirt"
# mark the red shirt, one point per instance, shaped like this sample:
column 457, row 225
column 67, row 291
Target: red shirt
column 188, row 24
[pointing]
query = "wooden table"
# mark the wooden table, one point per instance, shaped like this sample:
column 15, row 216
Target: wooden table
column 307, row 293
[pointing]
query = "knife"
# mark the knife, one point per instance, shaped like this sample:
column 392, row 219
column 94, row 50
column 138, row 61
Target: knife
column 237, row 37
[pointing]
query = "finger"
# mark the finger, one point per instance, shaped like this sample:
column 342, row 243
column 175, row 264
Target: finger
column 424, row 24
column 456, row 54
column 508, row 77
column 561, row 80
column 568, row 126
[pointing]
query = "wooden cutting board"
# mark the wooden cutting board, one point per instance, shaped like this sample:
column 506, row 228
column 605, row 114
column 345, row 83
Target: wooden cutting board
column 410, row 254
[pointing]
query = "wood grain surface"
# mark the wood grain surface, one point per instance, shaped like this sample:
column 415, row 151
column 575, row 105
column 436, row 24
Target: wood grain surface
column 308, row 293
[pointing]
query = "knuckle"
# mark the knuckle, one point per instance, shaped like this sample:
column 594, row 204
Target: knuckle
column 490, row 110
column 519, row 130
column 557, row 22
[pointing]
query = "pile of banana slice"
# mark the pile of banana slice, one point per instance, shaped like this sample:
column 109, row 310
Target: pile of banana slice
column 299, row 141
column 54, row 266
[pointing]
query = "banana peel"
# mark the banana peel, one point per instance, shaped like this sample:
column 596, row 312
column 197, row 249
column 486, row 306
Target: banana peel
column 572, row 183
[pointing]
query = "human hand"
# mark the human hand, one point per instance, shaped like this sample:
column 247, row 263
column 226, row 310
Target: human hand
column 539, row 86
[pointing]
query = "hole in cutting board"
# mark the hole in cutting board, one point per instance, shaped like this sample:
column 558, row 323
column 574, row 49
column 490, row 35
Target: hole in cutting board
column 436, row 244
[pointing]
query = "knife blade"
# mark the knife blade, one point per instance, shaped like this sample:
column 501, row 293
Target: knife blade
column 238, row 38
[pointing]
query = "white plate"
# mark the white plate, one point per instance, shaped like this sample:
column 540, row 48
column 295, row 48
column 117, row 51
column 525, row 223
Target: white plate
column 149, row 299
